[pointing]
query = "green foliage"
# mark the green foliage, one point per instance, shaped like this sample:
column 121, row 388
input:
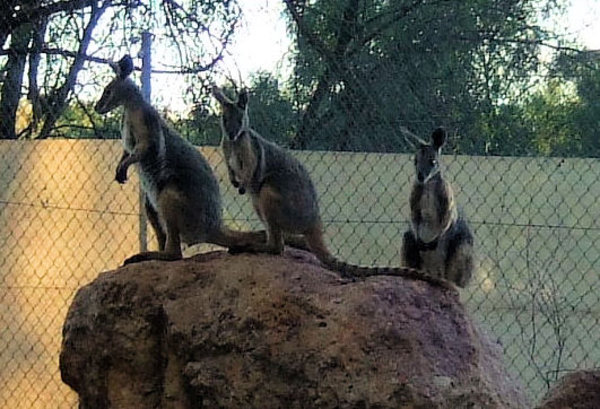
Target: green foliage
column 271, row 113
column 583, row 69
column 80, row 121
column 202, row 128
column 549, row 113
column 366, row 67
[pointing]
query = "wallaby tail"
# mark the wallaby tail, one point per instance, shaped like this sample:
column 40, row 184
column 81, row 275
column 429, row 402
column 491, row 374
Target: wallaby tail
column 318, row 247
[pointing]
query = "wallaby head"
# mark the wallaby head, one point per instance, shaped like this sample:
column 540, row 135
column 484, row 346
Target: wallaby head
column 427, row 158
column 119, row 89
column 235, row 120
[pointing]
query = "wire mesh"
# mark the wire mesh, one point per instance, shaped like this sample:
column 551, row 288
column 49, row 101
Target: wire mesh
column 63, row 219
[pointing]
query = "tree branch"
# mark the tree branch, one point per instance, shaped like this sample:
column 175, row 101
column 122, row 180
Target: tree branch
column 59, row 99
column 303, row 30
column 99, row 60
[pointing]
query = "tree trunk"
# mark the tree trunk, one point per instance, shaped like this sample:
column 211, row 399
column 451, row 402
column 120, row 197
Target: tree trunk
column 335, row 66
column 11, row 89
column 34, row 61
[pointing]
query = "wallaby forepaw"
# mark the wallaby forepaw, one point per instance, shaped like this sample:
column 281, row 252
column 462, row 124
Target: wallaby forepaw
column 121, row 176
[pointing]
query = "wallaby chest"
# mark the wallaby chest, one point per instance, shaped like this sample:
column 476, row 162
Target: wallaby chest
column 428, row 206
column 127, row 132
column 242, row 159
column 147, row 139
column 431, row 210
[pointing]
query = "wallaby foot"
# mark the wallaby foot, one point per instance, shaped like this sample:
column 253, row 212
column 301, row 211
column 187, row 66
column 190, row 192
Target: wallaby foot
column 272, row 245
column 152, row 255
column 296, row 241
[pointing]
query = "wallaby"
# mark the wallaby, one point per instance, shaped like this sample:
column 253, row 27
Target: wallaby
column 282, row 193
column 183, row 202
column 439, row 239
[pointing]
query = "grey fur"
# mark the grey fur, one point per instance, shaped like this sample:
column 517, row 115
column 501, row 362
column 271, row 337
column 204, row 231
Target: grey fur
column 182, row 194
column 283, row 193
column 439, row 239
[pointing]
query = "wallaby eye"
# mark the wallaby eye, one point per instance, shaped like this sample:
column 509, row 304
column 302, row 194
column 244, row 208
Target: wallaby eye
column 433, row 162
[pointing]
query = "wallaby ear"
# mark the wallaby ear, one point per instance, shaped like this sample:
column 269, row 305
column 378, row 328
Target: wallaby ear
column 243, row 99
column 438, row 137
column 123, row 67
column 217, row 92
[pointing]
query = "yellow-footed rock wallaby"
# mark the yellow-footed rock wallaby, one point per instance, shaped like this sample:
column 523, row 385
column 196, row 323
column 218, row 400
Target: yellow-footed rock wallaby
column 282, row 193
column 439, row 240
column 183, row 202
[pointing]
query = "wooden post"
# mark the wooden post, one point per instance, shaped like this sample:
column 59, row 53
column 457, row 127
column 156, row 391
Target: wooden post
column 147, row 92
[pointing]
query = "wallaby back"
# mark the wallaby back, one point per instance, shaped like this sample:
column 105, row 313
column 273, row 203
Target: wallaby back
column 282, row 191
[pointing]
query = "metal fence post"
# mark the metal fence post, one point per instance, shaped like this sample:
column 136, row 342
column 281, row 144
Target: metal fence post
column 147, row 92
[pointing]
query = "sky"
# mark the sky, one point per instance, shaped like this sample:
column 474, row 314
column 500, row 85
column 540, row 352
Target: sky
column 581, row 21
column 261, row 41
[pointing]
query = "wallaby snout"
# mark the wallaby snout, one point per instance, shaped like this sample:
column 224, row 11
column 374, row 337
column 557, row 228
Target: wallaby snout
column 101, row 107
column 104, row 103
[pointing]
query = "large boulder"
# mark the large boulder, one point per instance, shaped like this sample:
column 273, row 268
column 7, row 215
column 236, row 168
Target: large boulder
column 260, row 331
column 577, row 390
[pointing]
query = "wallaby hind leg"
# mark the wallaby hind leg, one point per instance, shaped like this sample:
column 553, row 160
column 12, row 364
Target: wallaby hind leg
column 410, row 251
column 268, row 205
column 461, row 264
column 152, row 215
column 171, row 252
column 169, row 207
column 297, row 241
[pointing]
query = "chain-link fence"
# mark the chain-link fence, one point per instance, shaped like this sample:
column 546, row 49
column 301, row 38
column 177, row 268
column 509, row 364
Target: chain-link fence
column 520, row 157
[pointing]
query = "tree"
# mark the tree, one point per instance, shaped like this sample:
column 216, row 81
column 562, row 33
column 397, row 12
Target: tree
column 15, row 67
column 549, row 114
column 272, row 114
column 365, row 67
column 581, row 70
